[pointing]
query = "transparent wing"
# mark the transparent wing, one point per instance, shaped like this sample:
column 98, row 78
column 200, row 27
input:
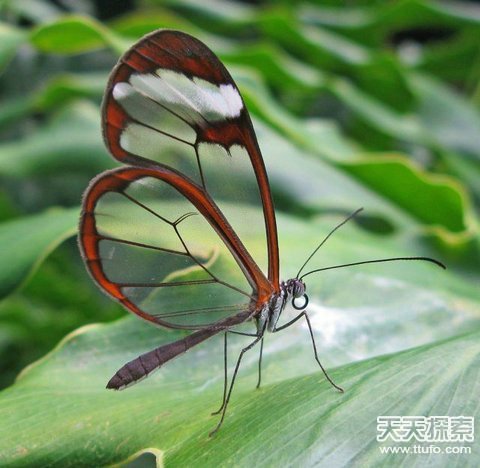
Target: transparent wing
column 156, row 243
column 171, row 101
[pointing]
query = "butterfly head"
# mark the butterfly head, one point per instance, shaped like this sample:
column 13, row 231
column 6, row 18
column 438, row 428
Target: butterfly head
column 295, row 289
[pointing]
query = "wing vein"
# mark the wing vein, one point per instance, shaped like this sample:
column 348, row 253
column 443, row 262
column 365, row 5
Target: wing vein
column 200, row 170
column 234, row 288
column 163, row 285
column 145, row 207
column 204, row 309
column 143, row 124
column 140, row 244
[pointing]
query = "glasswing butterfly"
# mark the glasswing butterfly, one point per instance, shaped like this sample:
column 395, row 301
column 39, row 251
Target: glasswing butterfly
column 154, row 233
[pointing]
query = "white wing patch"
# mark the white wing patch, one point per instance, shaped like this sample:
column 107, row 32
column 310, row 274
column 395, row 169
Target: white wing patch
column 164, row 108
column 147, row 111
column 232, row 100
column 194, row 100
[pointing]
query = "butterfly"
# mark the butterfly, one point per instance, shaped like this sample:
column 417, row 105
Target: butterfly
column 160, row 235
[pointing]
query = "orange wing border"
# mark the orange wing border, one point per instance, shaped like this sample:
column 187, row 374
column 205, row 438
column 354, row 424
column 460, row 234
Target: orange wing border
column 117, row 180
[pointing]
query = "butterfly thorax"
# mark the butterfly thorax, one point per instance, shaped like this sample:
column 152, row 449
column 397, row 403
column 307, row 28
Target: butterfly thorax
column 289, row 291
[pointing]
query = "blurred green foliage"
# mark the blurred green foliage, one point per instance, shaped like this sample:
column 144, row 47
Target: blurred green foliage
column 374, row 104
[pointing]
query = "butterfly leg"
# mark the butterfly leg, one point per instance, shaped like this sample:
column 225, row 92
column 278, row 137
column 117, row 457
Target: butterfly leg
column 260, row 365
column 237, row 366
column 260, row 358
column 225, row 366
column 298, row 317
column 225, row 374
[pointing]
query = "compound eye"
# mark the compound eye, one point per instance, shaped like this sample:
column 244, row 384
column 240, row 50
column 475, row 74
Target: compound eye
column 298, row 290
column 300, row 306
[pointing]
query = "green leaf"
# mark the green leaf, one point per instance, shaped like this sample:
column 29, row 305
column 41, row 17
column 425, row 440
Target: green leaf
column 28, row 240
column 439, row 201
column 35, row 11
column 320, row 136
column 70, row 142
column 57, row 92
column 314, row 45
column 56, row 300
column 15, row 109
column 10, row 40
column 445, row 211
column 299, row 421
column 276, row 67
column 458, row 12
column 450, row 120
column 374, row 24
column 466, row 169
column 460, row 53
column 75, row 34
column 378, row 115
column 66, row 87
column 222, row 15
column 384, row 79
column 141, row 22
column 169, row 414
column 302, row 422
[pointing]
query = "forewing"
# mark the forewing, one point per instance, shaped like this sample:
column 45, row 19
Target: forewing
column 171, row 101
column 156, row 243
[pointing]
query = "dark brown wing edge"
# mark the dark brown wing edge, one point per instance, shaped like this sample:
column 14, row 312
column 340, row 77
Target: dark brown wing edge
column 144, row 365
column 119, row 179
column 178, row 51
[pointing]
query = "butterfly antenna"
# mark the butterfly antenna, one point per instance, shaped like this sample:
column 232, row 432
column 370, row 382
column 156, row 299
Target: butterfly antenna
column 348, row 218
column 393, row 259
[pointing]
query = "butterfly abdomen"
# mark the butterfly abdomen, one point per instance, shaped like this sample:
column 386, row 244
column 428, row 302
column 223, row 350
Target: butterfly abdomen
column 144, row 365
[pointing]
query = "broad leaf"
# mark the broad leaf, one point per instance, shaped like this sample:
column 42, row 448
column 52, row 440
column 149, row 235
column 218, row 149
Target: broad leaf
column 70, row 142
column 75, row 34
column 30, row 240
column 356, row 315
